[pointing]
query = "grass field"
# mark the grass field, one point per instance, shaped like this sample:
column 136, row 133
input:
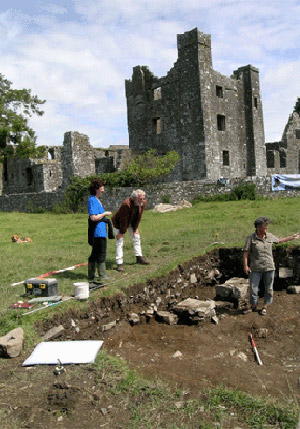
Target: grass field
column 60, row 241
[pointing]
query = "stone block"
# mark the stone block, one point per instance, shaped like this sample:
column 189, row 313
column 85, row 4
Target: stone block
column 237, row 281
column 285, row 272
column 167, row 317
column 54, row 332
column 235, row 288
column 193, row 278
column 223, row 305
column 293, row 289
column 194, row 309
column 215, row 320
column 223, row 291
column 133, row 319
column 109, row 325
column 11, row 344
column 240, row 291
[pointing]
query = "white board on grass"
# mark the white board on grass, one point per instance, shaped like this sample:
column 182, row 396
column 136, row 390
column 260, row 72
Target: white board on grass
column 67, row 352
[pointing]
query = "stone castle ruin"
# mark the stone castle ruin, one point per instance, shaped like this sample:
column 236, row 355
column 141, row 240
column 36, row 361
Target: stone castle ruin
column 214, row 122
column 76, row 157
column 283, row 157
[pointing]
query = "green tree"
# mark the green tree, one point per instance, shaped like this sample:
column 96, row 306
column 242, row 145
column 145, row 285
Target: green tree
column 27, row 149
column 150, row 166
column 16, row 107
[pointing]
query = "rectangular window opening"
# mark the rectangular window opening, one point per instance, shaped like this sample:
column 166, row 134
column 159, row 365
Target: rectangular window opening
column 157, row 93
column 297, row 133
column 29, row 176
column 226, row 158
column 221, row 122
column 282, row 159
column 5, row 172
column 270, row 159
column 219, row 91
column 255, row 102
column 156, row 125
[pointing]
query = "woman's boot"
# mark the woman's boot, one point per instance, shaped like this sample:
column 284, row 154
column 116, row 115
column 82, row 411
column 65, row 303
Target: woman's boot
column 102, row 271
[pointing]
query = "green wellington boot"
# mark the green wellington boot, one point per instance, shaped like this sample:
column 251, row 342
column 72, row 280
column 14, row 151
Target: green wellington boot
column 102, row 271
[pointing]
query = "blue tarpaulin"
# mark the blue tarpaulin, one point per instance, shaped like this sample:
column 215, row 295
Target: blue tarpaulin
column 285, row 182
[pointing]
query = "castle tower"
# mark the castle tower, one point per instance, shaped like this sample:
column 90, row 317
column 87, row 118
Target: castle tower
column 254, row 124
column 194, row 66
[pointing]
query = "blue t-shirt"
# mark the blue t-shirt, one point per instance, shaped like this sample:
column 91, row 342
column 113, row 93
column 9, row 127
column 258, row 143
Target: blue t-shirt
column 95, row 208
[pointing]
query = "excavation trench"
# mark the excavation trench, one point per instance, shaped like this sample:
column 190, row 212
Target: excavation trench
column 196, row 351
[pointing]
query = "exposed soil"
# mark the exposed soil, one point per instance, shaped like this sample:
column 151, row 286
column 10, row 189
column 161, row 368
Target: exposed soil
column 211, row 354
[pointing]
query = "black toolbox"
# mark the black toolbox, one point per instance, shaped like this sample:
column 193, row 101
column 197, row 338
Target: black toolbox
column 41, row 287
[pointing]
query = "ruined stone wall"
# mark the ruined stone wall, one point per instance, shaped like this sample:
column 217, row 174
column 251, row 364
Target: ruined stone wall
column 276, row 158
column 122, row 156
column 283, row 157
column 104, row 165
column 32, row 175
column 77, row 157
column 114, row 158
column 31, row 202
column 214, row 122
column 165, row 114
column 52, row 175
column 111, row 199
column 54, row 152
column 225, row 148
column 21, row 176
column 291, row 138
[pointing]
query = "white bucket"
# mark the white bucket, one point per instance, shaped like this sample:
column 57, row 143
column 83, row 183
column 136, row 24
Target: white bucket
column 81, row 290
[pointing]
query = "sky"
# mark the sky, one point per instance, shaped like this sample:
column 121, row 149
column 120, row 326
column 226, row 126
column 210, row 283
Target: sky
column 76, row 54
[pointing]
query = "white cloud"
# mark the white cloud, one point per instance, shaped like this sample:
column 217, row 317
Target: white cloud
column 279, row 97
column 52, row 8
column 77, row 55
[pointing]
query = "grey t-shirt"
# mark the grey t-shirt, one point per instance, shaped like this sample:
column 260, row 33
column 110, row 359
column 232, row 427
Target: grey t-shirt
column 260, row 252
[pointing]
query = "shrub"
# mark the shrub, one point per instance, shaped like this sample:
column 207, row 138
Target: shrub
column 166, row 199
column 241, row 192
column 31, row 208
column 150, row 166
column 75, row 193
column 246, row 191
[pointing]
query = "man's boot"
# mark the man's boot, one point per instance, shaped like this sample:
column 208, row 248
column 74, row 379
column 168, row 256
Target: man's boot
column 91, row 271
column 120, row 268
column 141, row 260
column 102, row 271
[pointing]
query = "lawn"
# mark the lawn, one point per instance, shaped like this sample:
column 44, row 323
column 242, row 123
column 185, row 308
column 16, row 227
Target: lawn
column 60, row 241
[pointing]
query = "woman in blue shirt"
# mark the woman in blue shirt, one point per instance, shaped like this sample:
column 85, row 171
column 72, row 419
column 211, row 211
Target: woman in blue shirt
column 97, row 214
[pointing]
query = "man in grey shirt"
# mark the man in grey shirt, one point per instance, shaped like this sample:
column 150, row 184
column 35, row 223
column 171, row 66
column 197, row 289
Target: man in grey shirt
column 258, row 247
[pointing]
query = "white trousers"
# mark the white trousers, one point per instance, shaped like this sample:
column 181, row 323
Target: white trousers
column 136, row 240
